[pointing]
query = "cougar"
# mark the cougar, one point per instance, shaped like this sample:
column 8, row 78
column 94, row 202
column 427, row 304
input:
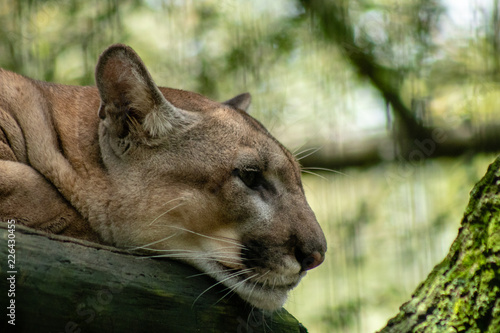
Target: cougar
column 171, row 172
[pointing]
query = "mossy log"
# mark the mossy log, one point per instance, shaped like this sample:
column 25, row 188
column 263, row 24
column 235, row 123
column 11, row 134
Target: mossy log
column 64, row 285
column 462, row 293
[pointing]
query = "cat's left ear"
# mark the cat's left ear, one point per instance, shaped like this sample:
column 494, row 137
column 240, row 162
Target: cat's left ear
column 241, row 101
column 131, row 102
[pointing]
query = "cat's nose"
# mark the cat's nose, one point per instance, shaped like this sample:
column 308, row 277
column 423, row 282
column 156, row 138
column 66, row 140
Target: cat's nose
column 314, row 260
column 310, row 260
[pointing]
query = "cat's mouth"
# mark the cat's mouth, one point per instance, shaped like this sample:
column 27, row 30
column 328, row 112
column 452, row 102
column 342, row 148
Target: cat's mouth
column 261, row 278
column 261, row 288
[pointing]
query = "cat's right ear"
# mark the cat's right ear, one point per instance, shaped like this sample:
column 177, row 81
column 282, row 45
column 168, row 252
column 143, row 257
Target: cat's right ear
column 241, row 102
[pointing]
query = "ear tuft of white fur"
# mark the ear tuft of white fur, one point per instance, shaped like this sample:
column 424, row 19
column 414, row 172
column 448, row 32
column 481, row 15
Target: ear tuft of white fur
column 158, row 122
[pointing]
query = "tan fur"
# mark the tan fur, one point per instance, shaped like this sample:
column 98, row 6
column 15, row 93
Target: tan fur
column 166, row 171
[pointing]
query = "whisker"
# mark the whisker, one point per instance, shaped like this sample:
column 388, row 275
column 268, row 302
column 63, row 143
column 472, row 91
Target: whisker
column 209, row 237
column 230, row 262
column 314, row 174
column 152, row 243
column 172, row 200
column 221, row 259
column 253, row 288
column 169, row 210
column 255, row 283
column 170, row 255
column 187, row 254
column 260, row 277
column 225, row 258
column 214, row 254
column 264, row 321
column 224, row 248
column 297, row 148
column 164, row 250
column 239, row 245
column 211, row 272
column 250, row 314
column 233, row 288
column 303, row 151
column 310, row 152
column 231, row 276
column 326, row 169
column 193, row 256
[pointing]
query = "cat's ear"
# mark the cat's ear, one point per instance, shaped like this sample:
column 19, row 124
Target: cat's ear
column 131, row 102
column 241, row 101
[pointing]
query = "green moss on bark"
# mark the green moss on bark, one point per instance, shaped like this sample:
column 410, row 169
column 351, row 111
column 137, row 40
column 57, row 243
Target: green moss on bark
column 461, row 294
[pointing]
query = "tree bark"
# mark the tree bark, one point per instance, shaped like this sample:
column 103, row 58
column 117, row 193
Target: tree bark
column 461, row 294
column 58, row 284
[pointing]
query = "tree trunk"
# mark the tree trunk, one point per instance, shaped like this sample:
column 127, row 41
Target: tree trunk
column 58, row 284
column 461, row 294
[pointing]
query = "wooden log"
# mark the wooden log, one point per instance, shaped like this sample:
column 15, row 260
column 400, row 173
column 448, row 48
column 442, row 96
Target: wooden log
column 58, row 284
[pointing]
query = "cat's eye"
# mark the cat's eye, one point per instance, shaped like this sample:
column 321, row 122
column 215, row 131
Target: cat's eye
column 251, row 177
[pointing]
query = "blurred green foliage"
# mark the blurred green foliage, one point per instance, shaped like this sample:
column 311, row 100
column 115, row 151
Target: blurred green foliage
column 220, row 48
column 321, row 73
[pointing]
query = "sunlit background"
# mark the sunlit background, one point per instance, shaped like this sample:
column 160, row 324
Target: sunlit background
column 391, row 106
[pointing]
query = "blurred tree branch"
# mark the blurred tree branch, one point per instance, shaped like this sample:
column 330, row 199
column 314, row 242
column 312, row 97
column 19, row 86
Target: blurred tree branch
column 412, row 138
column 333, row 20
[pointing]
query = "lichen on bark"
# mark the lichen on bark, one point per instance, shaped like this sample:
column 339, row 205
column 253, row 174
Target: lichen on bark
column 461, row 294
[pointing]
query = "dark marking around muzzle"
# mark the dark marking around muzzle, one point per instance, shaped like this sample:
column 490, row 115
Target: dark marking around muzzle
column 259, row 253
